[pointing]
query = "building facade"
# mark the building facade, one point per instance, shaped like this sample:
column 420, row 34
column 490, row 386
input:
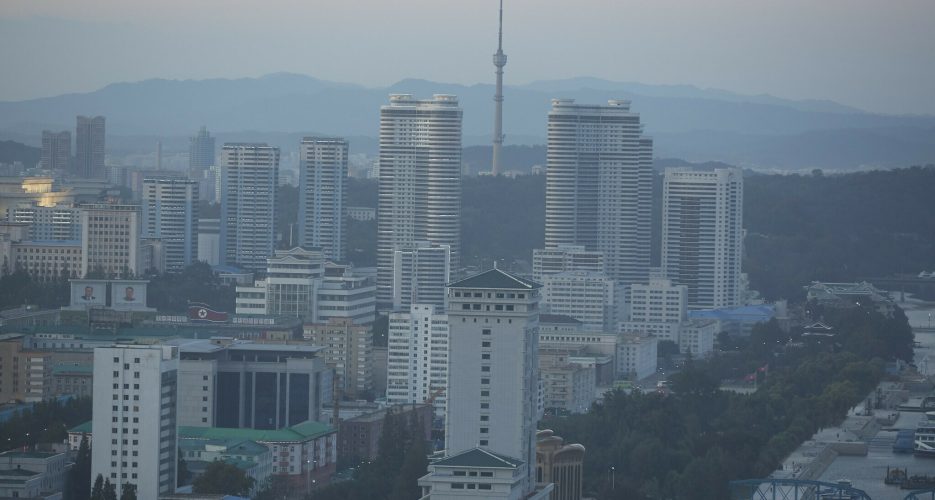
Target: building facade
column 417, row 357
column 170, row 214
column 25, row 374
column 565, row 257
column 57, row 222
column 200, row 153
column 493, row 373
column 636, row 356
column 420, row 180
column 420, row 274
column 322, row 195
column 599, row 185
column 249, row 176
column 134, row 423
column 110, row 239
column 702, row 235
column 47, row 260
column 89, row 148
column 56, row 150
column 587, row 296
column 348, row 348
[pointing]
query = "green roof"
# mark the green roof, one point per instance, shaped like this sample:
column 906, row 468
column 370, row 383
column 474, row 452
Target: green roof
column 300, row 432
column 18, row 472
column 29, row 454
column 84, row 428
column 82, row 368
column 479, row 457
column 495, row 278
column 233, row 446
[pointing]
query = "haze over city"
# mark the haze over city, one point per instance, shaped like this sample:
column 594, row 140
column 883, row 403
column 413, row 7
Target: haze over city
column 869, row 54
column 498, row 249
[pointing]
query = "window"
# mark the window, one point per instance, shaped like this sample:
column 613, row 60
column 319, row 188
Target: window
column 484, row 394
column 458, row 473
column 483, row 442
column 483, row 486
column 485, row 344
column 485, row 331
column 457, row 486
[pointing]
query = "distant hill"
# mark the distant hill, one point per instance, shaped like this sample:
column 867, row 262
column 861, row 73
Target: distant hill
column 686, row 122
column 11, row 151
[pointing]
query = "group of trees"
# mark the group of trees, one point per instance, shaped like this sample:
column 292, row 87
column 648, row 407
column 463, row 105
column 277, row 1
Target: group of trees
column 692, row 442
column 394, row 474
column 172, row 292
column 45, row 422
column 19, row 288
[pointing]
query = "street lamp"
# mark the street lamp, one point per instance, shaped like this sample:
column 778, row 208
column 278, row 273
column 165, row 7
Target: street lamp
column 613, row 482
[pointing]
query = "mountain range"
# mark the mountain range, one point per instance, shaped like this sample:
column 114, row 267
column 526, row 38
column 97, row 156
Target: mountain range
column 687, row 122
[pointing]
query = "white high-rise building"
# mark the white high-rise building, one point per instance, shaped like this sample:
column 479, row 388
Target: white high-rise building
column 110, row 240
column 417, row 357
column 170, row 214
column 599, row 185
column 200, row 153
column 493, row 372
column 322, row 191
column 565, row 257
column 420, row 180
column 134, row 423
column 584, row 295
column 56, row 223
column 420, row 275
column 249, row 176
column 702, row 235
column 657, row 308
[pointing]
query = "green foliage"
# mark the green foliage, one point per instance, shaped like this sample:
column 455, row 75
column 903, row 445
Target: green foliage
column 361, row 242
column 78, row 481
column 172, row 292
column 97, row 492
column 692, row 442
column 394, row 474
column 11, row 151
column 46, row 422
column 20, row 288
column 182, row 475
column 223, row 478
column 128, row 492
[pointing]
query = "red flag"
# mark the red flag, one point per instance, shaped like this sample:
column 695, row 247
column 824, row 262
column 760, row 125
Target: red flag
column 201, row 312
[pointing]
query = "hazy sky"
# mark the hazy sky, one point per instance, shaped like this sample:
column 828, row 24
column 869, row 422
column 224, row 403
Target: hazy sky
column 874, row 54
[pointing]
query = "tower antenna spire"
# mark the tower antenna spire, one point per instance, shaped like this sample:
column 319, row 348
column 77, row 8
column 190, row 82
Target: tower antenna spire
column 499, row 61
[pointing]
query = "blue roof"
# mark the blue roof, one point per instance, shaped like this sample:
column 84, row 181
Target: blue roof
column 754, row 314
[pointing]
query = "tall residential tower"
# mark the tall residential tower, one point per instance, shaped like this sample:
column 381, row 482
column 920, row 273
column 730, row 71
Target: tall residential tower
column 170, row 214
column 249, row 176
column 89, row 147
column 702, row 235
column 599, row 185
column 56, row 150
column 420, row 180
column 322, row 191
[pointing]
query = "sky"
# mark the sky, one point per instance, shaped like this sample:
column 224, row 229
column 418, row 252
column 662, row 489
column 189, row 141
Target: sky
column 872, row 54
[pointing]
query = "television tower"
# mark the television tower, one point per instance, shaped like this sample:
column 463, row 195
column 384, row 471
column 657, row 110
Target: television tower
column 499, row 60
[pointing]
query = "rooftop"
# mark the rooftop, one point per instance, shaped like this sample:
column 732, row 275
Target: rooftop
column 300, row 432
column 557, row 319
column 495, row 279
column 479, row 457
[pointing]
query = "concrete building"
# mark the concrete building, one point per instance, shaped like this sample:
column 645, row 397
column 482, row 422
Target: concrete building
column 417, row 357
column 292, row 277
column 25, row 374
column 243, row 384
column 565, row 257
column 567, row 386
column 59, row 222
column 200, row 154
column 322, row 195
column 560, row 464
column 134, row 424
column 209, row 241
column 72, row 378
column 346, row 293
column 47, row 260
column 89, row 148
column 56, row 151
column 636, row 356
column 348, row 349
column 170, row 214
column 420, row 274
column 254, row 459
column 658, row 308
column 420, row 180
column 32, row 474
column 249, row 174
column 362, row 214
column 359, row 436
column 493, row 375
column 702, row 235
column 696, row 337
column 599, row 185
column 110, row 239
column 587, row 296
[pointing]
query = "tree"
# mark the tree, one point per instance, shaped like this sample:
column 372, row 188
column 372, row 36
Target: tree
column 223, row 478
column 78, row 483
column 183, row 475
column 415, row 463
column 97, row 492
column 109, row 491
column 128, row 492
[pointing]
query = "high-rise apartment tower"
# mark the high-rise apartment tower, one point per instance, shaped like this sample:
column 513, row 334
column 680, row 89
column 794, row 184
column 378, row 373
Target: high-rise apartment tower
column 420, row 180
column 322, row 191
column 249, row 177
column 89, row 147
